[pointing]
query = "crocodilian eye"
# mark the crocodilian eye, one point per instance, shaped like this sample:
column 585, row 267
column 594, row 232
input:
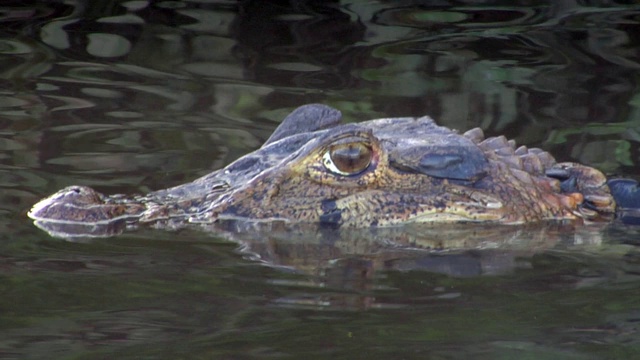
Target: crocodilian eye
column 348, row 158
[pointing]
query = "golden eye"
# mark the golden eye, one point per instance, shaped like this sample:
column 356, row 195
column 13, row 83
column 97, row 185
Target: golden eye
column 348, row 159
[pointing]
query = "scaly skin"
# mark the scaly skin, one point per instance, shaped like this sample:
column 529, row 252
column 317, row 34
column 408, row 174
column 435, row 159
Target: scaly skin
column 400, row 170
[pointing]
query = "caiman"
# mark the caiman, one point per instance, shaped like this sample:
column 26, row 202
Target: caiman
column 378, row 173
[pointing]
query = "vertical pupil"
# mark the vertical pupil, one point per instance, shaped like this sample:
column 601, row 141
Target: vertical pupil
column 351, row 158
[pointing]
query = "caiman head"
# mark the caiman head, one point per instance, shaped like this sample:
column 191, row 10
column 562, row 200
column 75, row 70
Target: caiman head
column 381, row 172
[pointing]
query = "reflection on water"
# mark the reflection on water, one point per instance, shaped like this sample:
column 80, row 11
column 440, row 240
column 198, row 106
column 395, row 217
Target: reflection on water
column 186, row 293
column 134, row 96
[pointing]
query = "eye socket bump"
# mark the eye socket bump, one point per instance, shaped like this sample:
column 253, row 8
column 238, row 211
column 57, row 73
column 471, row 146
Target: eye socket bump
column 347, row 159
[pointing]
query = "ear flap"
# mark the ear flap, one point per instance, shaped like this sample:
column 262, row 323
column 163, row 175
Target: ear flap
column 452, row 166
column 453, row 163
column 448, row 157
column 306, row 118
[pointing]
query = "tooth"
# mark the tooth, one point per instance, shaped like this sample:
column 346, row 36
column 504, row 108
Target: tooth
column 494, row 205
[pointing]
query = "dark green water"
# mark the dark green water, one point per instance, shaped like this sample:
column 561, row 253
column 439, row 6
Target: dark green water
column 132, row 96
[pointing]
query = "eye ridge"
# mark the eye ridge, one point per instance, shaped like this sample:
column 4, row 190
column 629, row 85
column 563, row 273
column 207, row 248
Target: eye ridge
column 348, row 159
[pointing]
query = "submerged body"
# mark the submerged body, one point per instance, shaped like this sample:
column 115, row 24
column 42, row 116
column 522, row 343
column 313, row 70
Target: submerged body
column 382, row 172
